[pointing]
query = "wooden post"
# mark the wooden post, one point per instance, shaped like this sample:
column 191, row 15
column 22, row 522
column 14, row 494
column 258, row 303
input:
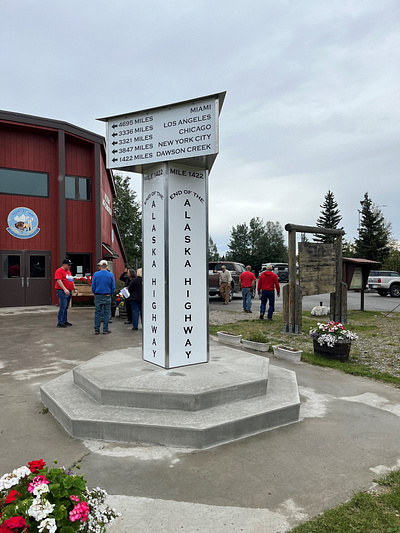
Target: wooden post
column 292, row 281
column 338, row 289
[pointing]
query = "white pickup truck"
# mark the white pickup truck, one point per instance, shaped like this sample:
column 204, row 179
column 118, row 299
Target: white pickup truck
column 385, row 282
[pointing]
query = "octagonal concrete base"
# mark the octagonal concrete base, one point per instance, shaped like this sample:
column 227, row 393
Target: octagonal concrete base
column 121, row 398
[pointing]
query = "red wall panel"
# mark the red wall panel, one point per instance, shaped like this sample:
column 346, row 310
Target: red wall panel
column 33, row 149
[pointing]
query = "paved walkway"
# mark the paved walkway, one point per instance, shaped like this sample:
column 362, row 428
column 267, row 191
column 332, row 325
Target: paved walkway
column 348, row 436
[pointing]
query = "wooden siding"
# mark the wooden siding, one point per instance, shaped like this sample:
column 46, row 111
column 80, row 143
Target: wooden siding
column 35, row 147
column 36, row 150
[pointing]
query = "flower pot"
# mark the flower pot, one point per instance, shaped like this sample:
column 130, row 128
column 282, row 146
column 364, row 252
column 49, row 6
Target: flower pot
column 340, row 351
column 288, row 353
column 229, row 338
column 84, row 290
column 253, row 345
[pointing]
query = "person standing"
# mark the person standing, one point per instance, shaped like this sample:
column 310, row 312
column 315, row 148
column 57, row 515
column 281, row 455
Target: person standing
column 267, row 283
column 226, row 280
column 126, row 279
column 103, row 286
column 247, row 283
column 64, row 284
column 135, row 297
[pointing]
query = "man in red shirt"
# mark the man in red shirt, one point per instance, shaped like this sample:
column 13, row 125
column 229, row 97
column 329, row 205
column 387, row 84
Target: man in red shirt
column 64, row 284
column 247, row 282
column 267, row 283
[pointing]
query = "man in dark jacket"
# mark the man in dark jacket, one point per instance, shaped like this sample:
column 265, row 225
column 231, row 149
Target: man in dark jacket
column 135, row 298
column 267, row 283
column 126, row 279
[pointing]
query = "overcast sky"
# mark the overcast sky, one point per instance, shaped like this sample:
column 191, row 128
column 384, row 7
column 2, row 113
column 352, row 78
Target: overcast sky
column 312, row 87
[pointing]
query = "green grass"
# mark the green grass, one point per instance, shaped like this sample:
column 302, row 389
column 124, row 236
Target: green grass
column 367, row 324
column 364, row 513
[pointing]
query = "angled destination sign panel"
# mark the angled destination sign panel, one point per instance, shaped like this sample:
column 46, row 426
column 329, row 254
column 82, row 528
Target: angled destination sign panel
column 182, row 131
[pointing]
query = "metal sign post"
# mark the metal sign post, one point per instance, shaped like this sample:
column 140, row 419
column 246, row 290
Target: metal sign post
column 174, row 147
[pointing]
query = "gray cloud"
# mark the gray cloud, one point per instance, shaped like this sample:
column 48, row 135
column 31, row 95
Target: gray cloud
column 312, row 90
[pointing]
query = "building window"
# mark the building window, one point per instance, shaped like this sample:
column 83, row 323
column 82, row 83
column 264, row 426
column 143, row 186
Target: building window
column 81, row 264
column 77, row 188
column 24, row 182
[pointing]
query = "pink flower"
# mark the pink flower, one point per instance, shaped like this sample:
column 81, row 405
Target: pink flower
column 80, row 511
column 38, row 480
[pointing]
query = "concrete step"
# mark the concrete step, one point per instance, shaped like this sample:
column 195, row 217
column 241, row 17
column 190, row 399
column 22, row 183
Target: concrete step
column 85, row 418
column 122, row 378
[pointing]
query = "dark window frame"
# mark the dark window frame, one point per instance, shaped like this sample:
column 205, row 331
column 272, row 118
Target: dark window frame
column 46, row 174
column 88, row 188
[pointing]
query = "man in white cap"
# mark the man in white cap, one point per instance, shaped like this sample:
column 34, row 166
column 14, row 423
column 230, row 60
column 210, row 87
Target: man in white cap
column 267, row 283
column 103, row 286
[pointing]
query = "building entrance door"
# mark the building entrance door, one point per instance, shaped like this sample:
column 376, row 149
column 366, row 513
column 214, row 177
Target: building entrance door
column 25, row 278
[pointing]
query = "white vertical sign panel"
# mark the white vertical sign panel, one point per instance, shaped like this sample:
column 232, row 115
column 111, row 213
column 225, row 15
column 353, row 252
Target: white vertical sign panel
column 153, row 216
column 187, row 271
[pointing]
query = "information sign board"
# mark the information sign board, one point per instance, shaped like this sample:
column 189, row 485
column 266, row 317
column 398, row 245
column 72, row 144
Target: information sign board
column 182, row 131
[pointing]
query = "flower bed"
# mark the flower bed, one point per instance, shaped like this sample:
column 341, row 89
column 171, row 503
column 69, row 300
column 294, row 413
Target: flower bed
column 255, row 345
column 229, row 338
column 287, row 352
column 38, row 499
column 332, row 340
column 330, row 333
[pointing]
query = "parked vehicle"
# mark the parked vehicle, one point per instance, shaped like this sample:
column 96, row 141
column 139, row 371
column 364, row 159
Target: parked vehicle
column 385, row 282
column 280, row 269
column 214, row 278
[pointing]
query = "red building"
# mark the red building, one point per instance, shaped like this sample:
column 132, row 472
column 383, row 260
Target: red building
column 56, row 201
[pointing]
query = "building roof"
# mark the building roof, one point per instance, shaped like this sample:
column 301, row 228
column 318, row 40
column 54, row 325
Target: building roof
column 49, row 123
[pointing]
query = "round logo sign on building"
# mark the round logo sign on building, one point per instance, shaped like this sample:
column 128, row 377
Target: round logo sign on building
column 23, row 223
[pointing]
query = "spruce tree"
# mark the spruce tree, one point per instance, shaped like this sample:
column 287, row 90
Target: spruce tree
column 126, row 210
column 329, row 218
column 213, row 254
column 373, row 240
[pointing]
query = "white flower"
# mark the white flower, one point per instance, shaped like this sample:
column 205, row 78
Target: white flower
column 7, row 481
column 41, row 489
column 22, row 471
column 49, row 524
column 40, row 509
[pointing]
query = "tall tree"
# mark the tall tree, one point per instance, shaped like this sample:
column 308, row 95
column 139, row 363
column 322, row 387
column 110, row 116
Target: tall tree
column 257, row 242
column 213, row 254
column 238, row 246
column 272, row 244
column 256, row 234
column 126, row 210
column 374, row 233
column 330, row 218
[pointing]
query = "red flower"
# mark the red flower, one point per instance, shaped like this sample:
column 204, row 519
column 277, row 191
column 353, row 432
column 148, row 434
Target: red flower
column 12, row 496
column 5, row 529
column 15, row 522
column 35, row 466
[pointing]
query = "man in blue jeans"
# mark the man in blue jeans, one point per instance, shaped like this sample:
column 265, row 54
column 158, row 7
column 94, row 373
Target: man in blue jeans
column 103, row 286
column 64, row 284
column 247, row 283
column 267, row 283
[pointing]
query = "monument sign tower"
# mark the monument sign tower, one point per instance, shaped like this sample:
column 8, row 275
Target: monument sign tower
column 174, row 148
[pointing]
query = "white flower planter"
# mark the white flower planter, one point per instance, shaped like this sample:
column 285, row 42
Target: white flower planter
column 253, row 345
column 288, row 353
column 229, row 338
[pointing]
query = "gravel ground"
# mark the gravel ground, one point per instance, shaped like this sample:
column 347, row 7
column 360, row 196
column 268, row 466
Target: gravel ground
column 380, row 352
column 218, row 318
